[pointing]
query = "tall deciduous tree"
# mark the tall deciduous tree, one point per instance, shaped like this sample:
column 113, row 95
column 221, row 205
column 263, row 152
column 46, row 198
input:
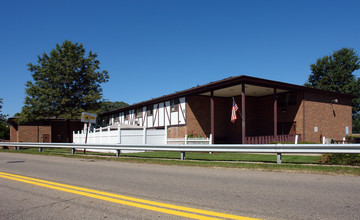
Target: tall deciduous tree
column 336, row 73
column 1, row 115
column 65, row 83
column 110, row 106
column 4, row 128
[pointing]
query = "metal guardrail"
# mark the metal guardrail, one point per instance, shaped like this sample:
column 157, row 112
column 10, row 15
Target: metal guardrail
column 235, row 148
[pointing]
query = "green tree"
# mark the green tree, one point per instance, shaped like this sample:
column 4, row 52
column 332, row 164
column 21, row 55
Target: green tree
column 110, row 106
column 65, row 83
column 336, row 73
column 4, row 128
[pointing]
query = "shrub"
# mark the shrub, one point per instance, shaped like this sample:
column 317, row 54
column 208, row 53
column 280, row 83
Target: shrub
column 192, row 135
column 341, row 159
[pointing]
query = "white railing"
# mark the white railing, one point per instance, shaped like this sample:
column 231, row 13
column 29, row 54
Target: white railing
column 189, row 140
column 121, row 136
column 106, row 135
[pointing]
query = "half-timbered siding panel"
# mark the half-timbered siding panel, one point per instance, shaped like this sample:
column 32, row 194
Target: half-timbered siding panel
column 182, row 111
column 149, row 119
column 132, row 117
column 174, row 118
column 161, row 115
column 167, row 114
column 158, row 115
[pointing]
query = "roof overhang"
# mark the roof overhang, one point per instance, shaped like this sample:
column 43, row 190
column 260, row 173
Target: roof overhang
column 229, row 87
column 250, row 90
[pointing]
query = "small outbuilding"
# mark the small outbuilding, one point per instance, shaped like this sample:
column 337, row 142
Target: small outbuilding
column 50, row 130
column 267, row 111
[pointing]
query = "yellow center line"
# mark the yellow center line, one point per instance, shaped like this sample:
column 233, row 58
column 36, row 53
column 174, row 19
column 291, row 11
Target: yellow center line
column 135, row 202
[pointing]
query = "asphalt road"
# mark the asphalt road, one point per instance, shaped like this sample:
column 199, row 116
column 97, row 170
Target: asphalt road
column 255, row 194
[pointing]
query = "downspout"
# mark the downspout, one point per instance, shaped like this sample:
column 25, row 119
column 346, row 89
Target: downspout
column 212, row 117
column 243, row 121
column 303, row 100
column 275, row 113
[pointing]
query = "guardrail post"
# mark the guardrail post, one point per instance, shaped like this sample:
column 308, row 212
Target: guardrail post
column 183, row 155
column 278, row 158
column 40, row 149
column 118, row 152
column 72, row 150
column 15, row 148
column 209, row 143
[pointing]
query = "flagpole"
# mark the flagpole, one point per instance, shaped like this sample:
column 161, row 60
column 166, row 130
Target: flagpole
column 239, row 111
column 237, row 105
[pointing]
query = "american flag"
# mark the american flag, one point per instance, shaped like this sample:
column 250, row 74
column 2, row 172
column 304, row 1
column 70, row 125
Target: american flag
column 233, row 111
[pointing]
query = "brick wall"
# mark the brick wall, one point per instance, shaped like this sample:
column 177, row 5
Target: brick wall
column 177, row 131
column 33, row 133
column 13, row 134
column 198, row 115
column 54, row 130
column 330, row 119
column 324, row 118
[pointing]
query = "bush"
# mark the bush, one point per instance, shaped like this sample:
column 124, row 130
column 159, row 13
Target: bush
column 341, row 159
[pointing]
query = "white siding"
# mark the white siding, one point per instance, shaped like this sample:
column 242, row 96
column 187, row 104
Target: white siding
column 161, row 115
column 167, row 113
column 182, row 111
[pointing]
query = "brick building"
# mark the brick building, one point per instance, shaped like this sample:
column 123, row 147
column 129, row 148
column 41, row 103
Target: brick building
column 268, row 110
column 46, row 130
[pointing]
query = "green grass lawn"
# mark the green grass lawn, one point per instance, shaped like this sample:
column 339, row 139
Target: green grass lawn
column 240, row 157
column 266, row 158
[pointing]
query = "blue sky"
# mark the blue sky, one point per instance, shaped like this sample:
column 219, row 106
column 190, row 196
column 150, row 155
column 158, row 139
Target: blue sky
column 156, row 47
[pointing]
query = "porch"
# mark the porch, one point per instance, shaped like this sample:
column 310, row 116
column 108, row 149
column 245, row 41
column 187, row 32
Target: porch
column 271, row 138
column 267, row 112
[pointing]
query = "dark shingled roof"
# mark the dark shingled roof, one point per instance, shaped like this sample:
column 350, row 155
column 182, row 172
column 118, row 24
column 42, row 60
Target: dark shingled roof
column 230, row 81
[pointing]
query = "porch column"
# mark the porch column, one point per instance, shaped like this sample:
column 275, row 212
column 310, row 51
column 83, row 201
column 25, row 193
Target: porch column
column 275, row 112
column 212, row 117
column 243, row 121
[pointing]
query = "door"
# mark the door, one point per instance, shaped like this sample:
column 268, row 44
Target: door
column 285, row 128
column 46, row 138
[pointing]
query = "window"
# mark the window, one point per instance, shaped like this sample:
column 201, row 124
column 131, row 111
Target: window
column 174, row 103
column 149, row 110
column 117, row 118
column 286, row 99
column 138, row 112
column 126, row 115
